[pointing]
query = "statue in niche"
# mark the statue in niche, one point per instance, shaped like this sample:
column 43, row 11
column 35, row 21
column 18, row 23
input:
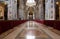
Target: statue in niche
column 1, row 17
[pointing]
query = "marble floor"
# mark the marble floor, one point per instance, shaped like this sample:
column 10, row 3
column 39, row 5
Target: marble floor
column 31, row 30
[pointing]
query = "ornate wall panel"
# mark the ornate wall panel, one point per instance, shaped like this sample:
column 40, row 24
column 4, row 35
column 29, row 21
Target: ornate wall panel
column 49, row 10
column 12, row 10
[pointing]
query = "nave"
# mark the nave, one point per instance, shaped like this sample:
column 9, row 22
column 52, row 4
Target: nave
column 31, row 30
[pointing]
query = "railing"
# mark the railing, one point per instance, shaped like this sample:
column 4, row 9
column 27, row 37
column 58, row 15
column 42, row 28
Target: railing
column 6, row 25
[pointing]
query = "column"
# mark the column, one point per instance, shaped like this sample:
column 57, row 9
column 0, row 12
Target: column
column 12, row 9
column 49, row 10
column 36, row 13
column 41, row 11
column 21, row 10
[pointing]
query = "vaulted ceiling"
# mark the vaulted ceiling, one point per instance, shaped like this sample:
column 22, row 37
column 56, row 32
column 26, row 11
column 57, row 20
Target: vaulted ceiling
column 38, row 2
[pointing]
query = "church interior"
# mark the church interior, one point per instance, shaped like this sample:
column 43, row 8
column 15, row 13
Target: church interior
column 29, row 19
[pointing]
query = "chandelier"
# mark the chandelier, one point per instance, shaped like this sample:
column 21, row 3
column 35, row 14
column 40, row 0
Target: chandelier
column 30, row 3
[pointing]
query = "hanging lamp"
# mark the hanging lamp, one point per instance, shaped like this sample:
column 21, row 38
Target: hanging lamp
column 30, row 3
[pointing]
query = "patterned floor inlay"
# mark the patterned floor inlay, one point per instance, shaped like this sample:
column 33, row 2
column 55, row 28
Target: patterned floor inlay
column 32, row 30
column 31, row 34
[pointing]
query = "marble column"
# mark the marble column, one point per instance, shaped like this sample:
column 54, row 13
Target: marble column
column 41, row 11
column 49, row 10
column 21, row 10
column 36, row 13
column 12, row 9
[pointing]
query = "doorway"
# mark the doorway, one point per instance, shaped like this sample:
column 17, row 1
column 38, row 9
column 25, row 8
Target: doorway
column 31, row 16
column 6, row 12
